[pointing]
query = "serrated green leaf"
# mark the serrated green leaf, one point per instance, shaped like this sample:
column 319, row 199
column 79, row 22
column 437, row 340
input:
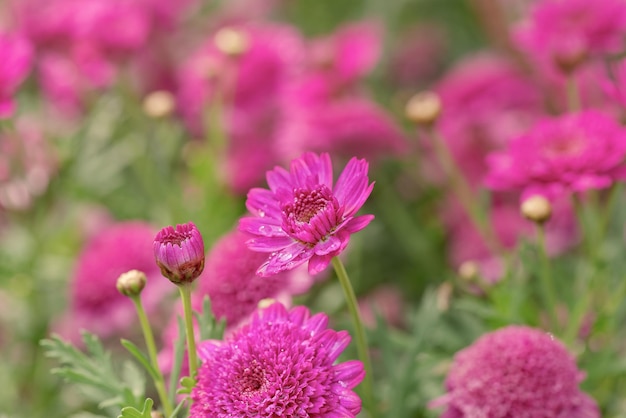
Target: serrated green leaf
column 187, row 384
column 141, row 357
column 132, row 412
column 210, row 328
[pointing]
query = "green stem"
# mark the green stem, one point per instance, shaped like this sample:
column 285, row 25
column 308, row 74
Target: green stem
column 159, row 381
column 464, row 193
column 547, row 282
column 573, row 94
column 185, row 295
column 361, row 341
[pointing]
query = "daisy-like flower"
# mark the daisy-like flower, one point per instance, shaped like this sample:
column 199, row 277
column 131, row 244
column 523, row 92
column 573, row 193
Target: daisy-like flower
column 570, row 153
column 516, row 371
column 279, row 365
column 303, row 217
column 179, row 253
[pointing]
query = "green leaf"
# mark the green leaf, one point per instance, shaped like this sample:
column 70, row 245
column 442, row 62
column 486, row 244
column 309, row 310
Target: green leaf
column 210, row 328
column 179, row 353
column 187, row 384
column 131, row 412
column 141, row 357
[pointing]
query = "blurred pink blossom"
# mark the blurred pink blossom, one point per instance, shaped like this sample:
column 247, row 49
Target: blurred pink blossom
column 95, row 303
column 486, row 102
column 562, row 155
column 566, row 32
column 17, row 56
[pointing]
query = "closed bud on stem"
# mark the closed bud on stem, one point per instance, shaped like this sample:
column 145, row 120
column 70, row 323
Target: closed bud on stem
column 131, row 283
column 537, row 209
column 179, row 253
column 231, row 41
column 423, row 108
column 468, row 271
column 159, row 104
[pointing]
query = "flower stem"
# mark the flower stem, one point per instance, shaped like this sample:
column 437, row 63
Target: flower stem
column 547, row 283
column 361, row 341
column 574, row 103
column 185, row 295
column 159, row 381
column 464, row 193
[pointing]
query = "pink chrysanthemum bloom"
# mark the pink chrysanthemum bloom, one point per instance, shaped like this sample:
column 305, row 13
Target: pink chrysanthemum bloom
column 570, row 153
column 486, row 102
column 96, row 305
column 563, row 33
column 231, row 282
column 17, row 55
column 179, row 253
column 302, row 217
column 519, row 372
column 279, row 365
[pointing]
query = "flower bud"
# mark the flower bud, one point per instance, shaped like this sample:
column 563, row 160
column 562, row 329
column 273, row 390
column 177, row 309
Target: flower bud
column 468, row 271
column 537, row 209
column 159, row 104
column 231, row 41
column 423, row 108
column 179, row 253
column 131, row 283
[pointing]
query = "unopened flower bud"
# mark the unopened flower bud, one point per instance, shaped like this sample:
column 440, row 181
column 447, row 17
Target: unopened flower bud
column 468, row 271
column 232, row 41
column 179, row 253
column 537, row 209
column 568, row 63
column 444, row 294
column 423, row 108
column 159, row 104
column 131, row 283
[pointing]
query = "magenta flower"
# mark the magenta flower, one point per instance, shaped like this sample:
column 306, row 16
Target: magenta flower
column 230, row 280
column 179, row 253
column 95, row 303
column 516, row 371
column 17, row 55
column 570, row 153
column 302, row 217
column 564, row 33
column 279, row 365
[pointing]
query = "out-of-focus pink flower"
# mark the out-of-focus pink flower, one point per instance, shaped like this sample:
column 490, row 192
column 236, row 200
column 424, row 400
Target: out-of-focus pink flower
column 417, row 56
column 281, row 364
column 17, row 56
column 385, row 301
column 95, row 304
column 179, row 253
column 303, row 217
column 561, row 155
column 247, row 89
column 516, row 371
column 327, row 111
column 27, row 163
column 231, row 282
column 486, row 102
column 565, row 32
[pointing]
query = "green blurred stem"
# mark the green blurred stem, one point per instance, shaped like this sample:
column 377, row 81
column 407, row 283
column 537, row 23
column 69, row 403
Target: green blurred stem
column 359, row 330
column 605, row 219
column 574, row 103
column 463, row 192
column 159, row 381
column 185, row 295
column 547, row 282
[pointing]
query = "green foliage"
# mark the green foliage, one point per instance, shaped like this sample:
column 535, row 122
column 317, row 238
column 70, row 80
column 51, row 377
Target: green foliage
column 131, row 412
column 94, row 372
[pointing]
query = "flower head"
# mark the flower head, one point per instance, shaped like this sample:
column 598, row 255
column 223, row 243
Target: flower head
column 570, row 153
column 516, row 371
column 303, row 217
column 230, row 280
column 96, row 305
column 281, row 364
column 179, row 253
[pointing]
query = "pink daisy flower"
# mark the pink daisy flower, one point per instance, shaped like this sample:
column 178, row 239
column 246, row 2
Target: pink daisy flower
column 230, row 280
column 281, row 364
column 516, row 371
column 565, row 32
column 303, row 217
column 570, row 153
